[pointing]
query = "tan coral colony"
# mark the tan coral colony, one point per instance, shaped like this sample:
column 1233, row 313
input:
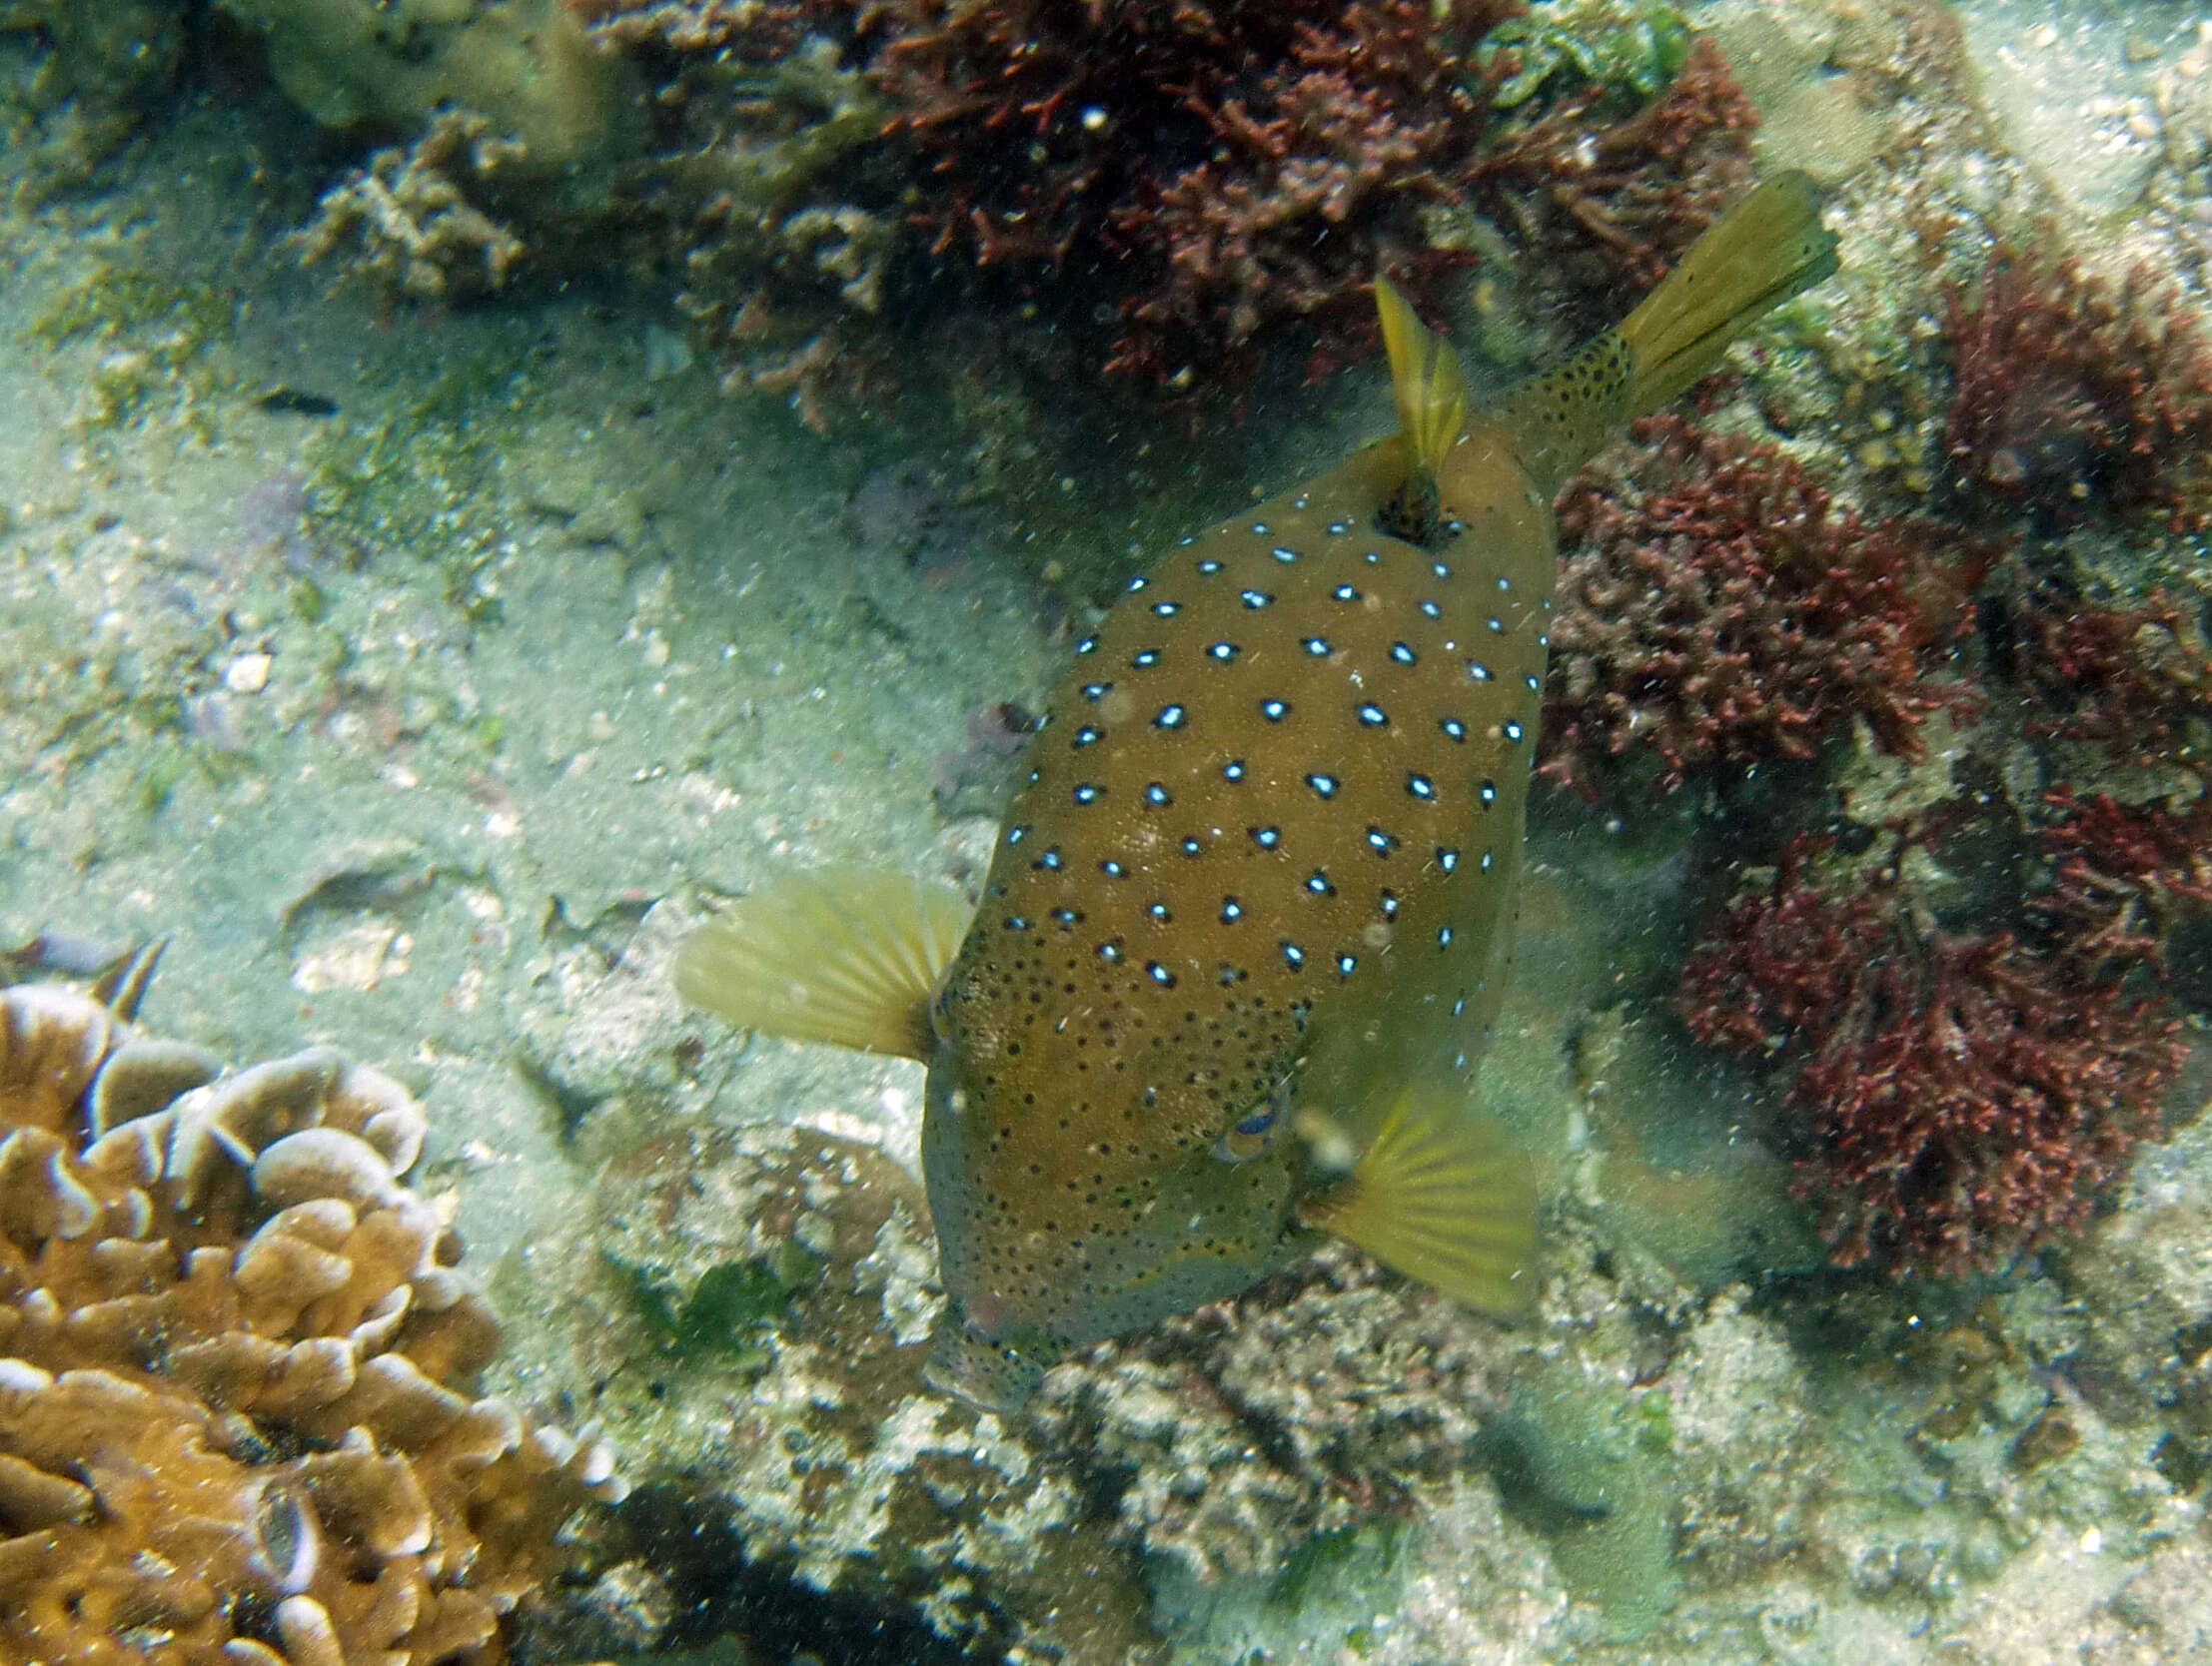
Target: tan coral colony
column 236, row 1416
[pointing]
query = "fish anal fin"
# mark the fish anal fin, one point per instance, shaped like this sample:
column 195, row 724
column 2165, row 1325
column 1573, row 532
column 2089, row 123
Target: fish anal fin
column 846, row 955
column 1425, row 375
column 1442, row 1193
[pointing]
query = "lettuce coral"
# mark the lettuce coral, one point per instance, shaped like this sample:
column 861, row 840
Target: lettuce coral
column 236, row 1417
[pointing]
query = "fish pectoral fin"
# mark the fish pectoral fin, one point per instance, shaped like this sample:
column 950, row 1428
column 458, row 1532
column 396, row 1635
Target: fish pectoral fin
column 1425, row 375
column 848, row 956
column 1443, row 1195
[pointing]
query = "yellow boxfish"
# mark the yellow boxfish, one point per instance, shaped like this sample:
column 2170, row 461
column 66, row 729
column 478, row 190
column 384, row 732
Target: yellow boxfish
column 1247, row 923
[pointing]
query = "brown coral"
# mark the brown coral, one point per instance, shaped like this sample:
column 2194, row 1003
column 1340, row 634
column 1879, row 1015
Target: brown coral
column 235, row 1418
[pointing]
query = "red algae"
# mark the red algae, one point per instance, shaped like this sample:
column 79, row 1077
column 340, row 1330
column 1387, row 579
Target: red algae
column 2071, row 392
column 1968, row 1098
column 1717, row 606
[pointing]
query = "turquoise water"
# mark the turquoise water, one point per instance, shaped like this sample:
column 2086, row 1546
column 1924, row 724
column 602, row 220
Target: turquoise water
column 424, row 639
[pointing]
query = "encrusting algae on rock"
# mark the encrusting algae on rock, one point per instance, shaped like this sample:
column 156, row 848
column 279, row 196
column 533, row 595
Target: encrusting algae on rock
column 1250, row 919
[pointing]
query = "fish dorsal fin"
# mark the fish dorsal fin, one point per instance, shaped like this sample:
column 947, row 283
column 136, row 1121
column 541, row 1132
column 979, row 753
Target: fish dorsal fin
column 848, row 956
column 1443, row 1195
column 1425, row 375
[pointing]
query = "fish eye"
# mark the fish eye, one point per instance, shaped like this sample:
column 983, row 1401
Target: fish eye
column 1249, row 1136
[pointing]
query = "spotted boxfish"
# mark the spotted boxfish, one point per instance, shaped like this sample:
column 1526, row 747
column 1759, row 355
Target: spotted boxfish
column 1246, row 925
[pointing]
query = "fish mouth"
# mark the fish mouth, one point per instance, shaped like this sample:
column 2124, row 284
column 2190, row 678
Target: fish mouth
column 966, row 1364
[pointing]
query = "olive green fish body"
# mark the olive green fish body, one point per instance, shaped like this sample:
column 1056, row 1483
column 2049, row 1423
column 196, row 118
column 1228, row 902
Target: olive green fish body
column 1247, row 921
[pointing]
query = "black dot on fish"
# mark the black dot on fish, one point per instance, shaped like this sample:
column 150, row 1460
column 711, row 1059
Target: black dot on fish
column 1511, row 732
column 1421, row 786
column 1318, row 883
column 1255, row 598
column 1171, row 717
column 1145, row 659
column 1318, row 646
column 1233, row 770
column 1191, row 846
column 1326, row 785
column 1443, row 937
column 1447, row 858
column 1167, row 609
column 1050, row 860
column 1231, row 911
column 1155, row 793
column 1453, row 729
column 1087, row 735
column 1345, row 964
column 1345, row 592
column 1158, row 910
column 1373, row 715
column 1380, row 842
column 1478, row 670
column 1160, row 974
column 1488, row 793
column 1275, row 710
column 1401, row 653
column 1390, row 905
column 1293, row 954
column 1112, row 869
column 1283, row 553
column 1431, row 610
column 1266, row 838
column 1087, row 792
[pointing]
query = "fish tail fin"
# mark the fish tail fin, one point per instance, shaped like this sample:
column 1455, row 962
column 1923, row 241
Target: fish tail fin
column 1443, row 1195
column 1761, row 252
column 848, row 956
column 1432, row 399
column 1764, row 250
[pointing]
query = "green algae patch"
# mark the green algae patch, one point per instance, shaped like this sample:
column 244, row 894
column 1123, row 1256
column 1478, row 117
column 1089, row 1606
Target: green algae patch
column 726, row 1311
column 1578, row 1462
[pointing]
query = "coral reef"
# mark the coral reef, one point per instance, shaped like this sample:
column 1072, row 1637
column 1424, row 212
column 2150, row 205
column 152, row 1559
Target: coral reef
column 1968, row 1098
column 235, row 1364
column 406, row 220
column 1718, row 605
column 2071, row 393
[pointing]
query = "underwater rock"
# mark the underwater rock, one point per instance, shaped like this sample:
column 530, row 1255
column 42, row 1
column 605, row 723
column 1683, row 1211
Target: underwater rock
column 526, row 66
column 761, row 1316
